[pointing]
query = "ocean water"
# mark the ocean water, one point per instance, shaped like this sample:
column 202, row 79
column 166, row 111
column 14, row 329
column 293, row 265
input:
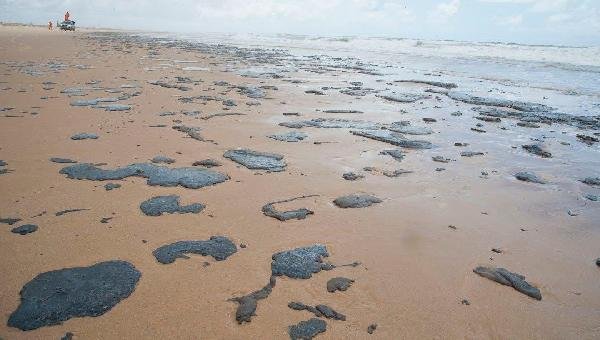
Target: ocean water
column 564, row 77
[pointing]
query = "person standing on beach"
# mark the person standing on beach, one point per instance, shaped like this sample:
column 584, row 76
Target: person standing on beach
column 50, row 25
column 67, row 15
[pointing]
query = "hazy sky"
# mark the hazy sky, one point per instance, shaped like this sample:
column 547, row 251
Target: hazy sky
column 567, row 22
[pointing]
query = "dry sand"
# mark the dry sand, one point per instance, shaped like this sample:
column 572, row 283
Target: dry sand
column 414, row 271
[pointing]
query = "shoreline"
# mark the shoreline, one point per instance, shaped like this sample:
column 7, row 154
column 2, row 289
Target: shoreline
column 415, row 270
column 508, row 43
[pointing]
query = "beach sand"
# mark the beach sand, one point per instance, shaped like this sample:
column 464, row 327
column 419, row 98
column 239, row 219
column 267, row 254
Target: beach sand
column 414, row 270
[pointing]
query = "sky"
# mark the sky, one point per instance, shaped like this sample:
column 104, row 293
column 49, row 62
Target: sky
column 554, row 22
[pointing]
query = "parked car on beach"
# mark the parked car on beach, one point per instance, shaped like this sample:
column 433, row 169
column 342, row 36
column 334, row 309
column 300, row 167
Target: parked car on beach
column 67, row 25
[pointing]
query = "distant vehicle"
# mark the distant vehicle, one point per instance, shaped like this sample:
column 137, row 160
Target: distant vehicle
column 67, row 25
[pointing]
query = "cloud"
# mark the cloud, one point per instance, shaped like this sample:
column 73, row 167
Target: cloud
column 445, row 10
column 511, row 20
column 573, row 18
column 235, row 9
column 541, row 5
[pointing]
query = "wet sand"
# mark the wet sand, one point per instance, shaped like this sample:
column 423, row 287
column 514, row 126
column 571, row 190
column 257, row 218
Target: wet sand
column 414, row 271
